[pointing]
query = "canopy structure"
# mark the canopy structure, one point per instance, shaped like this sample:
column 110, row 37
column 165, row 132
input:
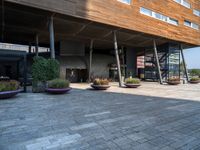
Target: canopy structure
column 25, row 25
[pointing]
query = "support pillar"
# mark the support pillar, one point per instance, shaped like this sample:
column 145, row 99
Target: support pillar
column 18, row 70
column 184, row 64
column 51, row 32
column 36, row 44
column 157, row 62
column 29, row 48
column 90, row 61
column 25, row 72
column 117, row 58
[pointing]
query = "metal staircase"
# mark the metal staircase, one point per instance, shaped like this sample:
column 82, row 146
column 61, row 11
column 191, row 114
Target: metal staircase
column 168, row 59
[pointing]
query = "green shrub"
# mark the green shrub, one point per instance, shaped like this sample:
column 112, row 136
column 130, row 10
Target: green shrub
column 195, row 79
column 194, row 72
column 58, row 83
column 98, row 81
column 45, row 69
column 132, row 81
column 11, row 85
column 53, row 69
column 174, row 79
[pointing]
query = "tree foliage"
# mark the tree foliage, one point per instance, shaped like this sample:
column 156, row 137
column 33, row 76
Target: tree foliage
column 45, row 69
column 194, row 72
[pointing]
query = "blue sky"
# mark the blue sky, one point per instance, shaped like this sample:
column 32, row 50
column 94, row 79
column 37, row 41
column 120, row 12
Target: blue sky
column 192, row 58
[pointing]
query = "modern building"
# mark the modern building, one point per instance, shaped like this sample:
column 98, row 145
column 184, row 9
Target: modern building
column 105, row 38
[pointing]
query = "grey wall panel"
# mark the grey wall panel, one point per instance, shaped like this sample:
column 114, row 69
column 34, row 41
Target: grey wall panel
column 99, row 65
column 72, row 48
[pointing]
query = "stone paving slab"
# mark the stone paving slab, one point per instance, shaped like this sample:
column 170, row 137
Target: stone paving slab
column 182, row 91
column 101, row 120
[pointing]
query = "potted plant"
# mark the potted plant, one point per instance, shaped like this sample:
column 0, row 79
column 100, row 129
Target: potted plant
column 132, row 82
column 173, row 81
column 100, row 84
column 194, row 80
column 9, row 89
column 58, row 86
column 43, row 70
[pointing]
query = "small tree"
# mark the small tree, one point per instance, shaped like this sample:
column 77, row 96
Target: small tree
column 43, row 70
column 195, row 72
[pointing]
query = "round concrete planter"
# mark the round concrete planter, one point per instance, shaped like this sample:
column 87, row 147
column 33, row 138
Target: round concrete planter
column 194, row 82
column 100, row 87
column 39, row 86
column 173, row 82
column 9, row 94
column 58, row 91
column 132, row 85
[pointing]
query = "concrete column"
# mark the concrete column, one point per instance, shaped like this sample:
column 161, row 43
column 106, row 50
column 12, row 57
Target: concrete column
column 157, row 62
column 52, row 42
column 90, row 61
column 184, row 64
column 36, row 44
column 25, row 72
column 117, row 58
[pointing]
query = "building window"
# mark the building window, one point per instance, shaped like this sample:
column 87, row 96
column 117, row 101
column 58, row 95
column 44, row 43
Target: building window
column 196, row 12
column 158, row 16
column 125, row 1
column 184, row 3
column 173, row 21
column 145, row 11
column 191, row 24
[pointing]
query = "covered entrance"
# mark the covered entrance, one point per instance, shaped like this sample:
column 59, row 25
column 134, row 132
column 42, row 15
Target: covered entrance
column 31, row 26
column 13, row 65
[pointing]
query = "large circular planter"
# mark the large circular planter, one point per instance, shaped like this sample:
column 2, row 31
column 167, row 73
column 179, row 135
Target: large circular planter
column 173, row 82
column 58, row 91
column 194, row 82
column 9, row 94
column 132, row 85
column 100, row 87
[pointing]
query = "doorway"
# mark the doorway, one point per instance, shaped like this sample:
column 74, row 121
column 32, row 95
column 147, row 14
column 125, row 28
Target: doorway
column 76, row 75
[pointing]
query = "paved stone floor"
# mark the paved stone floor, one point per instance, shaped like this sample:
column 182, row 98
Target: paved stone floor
column 103, row 120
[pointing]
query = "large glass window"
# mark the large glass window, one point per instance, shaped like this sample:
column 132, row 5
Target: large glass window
column 173, row 21
column 196, row 12
column 191, row 24
column 125, row 1
column 187, row 23
column 158, row 16
column 145, row 11
column 184, row 3
column 195, row 26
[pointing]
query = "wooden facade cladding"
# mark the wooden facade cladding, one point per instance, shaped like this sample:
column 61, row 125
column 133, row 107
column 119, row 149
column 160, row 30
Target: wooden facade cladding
column 115, row 13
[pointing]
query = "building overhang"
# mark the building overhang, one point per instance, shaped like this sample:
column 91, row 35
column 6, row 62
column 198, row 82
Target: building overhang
column 21, row 24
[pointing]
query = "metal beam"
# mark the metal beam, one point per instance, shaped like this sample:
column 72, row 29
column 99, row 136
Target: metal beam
column 117, row 58
column 82, row 28
column 90, row 61
column 52, row 44
column 36, row 44
column 157, row 62
column 107, row 34
column 184, row 64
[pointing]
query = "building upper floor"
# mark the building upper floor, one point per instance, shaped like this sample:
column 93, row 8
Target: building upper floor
column 177, row 20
